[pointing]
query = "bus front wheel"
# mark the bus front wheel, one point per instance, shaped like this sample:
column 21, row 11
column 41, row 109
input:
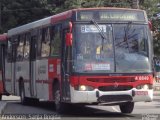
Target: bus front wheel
column 127, row 107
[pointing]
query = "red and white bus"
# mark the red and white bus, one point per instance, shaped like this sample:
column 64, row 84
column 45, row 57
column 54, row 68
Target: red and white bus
column 3, row 42
column 82, row 56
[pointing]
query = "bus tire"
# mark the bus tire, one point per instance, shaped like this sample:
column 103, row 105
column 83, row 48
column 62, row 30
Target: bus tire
column 59, row 106
column 127, row 107
column 22, row 93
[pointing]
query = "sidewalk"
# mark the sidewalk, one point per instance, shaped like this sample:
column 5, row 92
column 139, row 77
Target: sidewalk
column 3, row 103
column 2, row 106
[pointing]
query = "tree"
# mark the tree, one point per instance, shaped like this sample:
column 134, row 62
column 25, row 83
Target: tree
column 135, row 4
column 19, row 12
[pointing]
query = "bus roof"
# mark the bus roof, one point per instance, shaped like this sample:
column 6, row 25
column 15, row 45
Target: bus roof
column 55, row 18
column 39, row 23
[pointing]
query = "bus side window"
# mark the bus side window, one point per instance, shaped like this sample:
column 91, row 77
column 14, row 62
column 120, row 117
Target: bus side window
column 20, row 47
column 45, row 51
column 39, row 39
column 27, row 47
column 9, row 51
column 56, row 40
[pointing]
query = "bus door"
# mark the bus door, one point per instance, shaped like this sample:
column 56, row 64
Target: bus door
column 66, row 67
column 32, row 65
column 13, row 65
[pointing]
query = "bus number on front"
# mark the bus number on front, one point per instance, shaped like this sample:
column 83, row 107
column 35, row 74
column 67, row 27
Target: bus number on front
column 142, row 78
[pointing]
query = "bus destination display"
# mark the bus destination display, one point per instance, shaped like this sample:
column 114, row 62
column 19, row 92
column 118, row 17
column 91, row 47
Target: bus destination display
column 111, row 15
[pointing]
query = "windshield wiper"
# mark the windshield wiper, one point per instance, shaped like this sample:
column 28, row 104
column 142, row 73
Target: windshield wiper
column 100, row 31
column 126, row 34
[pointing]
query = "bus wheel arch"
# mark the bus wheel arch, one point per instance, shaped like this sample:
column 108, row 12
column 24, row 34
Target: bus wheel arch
column 22, row 91
column 59, row 105
column 55, row 84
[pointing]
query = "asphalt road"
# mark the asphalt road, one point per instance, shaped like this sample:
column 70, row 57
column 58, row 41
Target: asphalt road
column 45, row 110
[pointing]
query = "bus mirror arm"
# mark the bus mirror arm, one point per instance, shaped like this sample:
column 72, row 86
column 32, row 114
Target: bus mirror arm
column 69, row 39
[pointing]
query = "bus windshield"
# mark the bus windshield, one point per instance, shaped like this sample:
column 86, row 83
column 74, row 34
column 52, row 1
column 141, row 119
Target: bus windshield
column 124, row 49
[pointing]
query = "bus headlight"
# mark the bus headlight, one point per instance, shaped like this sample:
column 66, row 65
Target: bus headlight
column 84, row 88
column 145, row 86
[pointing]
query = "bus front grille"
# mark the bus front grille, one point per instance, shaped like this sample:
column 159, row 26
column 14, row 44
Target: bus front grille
column 114, row 98
column 115, row 88
column 112, row 80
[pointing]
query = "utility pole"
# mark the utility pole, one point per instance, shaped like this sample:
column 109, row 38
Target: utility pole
column 135, row 4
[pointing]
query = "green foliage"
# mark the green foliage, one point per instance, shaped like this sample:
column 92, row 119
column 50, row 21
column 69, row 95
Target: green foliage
column 18, row 12
column 151, row 8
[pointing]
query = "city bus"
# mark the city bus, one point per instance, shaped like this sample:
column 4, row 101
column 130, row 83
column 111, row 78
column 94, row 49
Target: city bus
column 3, row 42
column 85, row 56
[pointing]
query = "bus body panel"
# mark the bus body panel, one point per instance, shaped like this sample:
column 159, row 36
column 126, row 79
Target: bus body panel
column 8, row 81
column 22, row 71
column 1, row 83
column 91, row 97
column 107, row 85
column 42, row 81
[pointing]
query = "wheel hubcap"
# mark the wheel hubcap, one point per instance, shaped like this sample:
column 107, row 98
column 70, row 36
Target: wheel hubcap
column 57, row 97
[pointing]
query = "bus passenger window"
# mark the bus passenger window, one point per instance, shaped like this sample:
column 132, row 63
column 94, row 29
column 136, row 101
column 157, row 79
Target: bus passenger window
column 9, row 51
column 45, row 43
column 27, row 47
column 39, row 43
column 56, row 41
column 20, row 48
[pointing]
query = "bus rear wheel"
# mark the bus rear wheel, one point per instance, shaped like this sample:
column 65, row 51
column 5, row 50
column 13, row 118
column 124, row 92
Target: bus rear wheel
column 60, row 107
column 127, row 107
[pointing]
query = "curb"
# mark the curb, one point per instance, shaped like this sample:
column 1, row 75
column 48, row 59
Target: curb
column 2, row 106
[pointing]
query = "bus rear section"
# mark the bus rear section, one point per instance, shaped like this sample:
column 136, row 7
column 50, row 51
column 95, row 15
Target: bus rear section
column 82, row 56
column 3, row 42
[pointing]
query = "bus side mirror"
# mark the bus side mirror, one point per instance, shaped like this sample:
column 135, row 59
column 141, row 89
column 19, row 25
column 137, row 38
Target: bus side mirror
column 69, row 38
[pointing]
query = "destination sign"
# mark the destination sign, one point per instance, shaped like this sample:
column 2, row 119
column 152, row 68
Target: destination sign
column 118, row 16
column 86, row 16
column 111, row 15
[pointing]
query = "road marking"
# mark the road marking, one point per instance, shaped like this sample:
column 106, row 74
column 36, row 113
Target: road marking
column 115, row 109
column 119, row 111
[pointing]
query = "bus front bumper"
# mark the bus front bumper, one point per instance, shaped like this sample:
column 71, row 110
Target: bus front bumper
column 97, row 96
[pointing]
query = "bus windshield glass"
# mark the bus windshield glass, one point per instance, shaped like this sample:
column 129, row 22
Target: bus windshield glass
column 131, row 48
column 89, row 55
column 124, row 49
